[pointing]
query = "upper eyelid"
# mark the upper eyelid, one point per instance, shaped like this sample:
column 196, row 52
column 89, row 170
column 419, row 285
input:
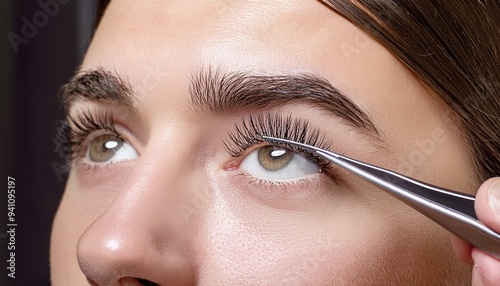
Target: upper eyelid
column 130, row 118
column 125, row 134
column 85, row 123
column 250, row 130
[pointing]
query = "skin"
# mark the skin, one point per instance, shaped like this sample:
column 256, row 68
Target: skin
column 178, row 215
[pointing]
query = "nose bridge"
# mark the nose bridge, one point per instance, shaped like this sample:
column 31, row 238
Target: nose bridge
column 144, row 233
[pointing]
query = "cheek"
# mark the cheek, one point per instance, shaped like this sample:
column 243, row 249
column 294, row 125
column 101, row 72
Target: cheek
column 247, row 241
column 353, row 237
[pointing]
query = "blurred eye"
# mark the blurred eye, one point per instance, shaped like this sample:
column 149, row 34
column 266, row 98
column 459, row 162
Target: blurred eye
column 109, row 148
column 274, row 163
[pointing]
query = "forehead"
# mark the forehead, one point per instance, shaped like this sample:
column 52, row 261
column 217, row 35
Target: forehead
column 158, row 45
column 258, row 35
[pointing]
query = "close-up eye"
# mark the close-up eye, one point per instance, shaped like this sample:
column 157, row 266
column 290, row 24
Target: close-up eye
column 109, row 148
column 277, row 163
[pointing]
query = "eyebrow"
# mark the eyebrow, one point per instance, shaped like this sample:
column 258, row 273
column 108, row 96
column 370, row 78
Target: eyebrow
column 214, row 91
column 97, row 85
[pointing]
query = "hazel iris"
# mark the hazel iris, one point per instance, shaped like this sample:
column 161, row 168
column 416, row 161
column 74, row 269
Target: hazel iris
column 103, row 147
column 274, row 158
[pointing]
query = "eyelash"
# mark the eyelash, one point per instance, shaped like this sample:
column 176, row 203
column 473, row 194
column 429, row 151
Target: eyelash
column 70, row 141
column 249, row 134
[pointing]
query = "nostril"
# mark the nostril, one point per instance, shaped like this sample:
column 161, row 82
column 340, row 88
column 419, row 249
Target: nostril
column 146, row 282
column 126, row 281
column 91, row 282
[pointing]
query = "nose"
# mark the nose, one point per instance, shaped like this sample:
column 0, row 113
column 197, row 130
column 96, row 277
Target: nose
column 140, row 239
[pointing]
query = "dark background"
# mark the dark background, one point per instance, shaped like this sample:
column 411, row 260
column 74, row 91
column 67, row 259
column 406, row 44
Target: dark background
column 30, row 79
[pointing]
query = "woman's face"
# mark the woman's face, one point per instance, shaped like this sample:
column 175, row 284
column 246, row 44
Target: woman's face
column 171, row 181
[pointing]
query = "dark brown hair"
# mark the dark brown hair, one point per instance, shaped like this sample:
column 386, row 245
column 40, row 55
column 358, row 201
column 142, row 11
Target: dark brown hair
column 454, row 47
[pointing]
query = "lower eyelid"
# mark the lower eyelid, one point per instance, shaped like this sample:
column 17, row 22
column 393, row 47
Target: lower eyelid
column 95, row 176
column 296, row 190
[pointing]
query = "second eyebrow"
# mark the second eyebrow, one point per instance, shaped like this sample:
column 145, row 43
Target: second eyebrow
column 215, row 91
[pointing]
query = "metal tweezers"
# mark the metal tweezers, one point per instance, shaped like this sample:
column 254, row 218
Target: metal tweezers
column 452, row 210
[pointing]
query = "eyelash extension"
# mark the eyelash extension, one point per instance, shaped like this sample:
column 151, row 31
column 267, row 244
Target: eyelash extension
column 249, row 133
column 73, row 131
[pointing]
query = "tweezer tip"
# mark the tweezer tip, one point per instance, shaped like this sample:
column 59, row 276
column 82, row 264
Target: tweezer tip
column 286, row 141
column 274, row 139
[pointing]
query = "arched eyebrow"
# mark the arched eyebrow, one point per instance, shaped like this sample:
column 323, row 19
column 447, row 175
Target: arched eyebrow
column 217, row 92
column 97, row 85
